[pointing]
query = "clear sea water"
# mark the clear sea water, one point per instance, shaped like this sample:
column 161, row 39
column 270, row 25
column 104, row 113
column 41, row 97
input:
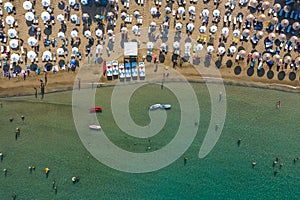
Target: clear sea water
column 49, row 139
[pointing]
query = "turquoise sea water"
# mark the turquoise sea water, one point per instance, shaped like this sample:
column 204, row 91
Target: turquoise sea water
column 49, row 139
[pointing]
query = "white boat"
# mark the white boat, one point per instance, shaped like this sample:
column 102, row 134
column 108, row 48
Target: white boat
column 142, row 69
column 95, row 127
column 165, row 106
column 122, row 70
column 115, row 68
column 155, row 106
column 109, row 71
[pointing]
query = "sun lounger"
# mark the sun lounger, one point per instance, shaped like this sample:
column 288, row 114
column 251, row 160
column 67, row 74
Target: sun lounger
column 127, row 70
column 292, row 14
column 280, row 13
column 122, row 70
column 289, row 2
column 109, row 71
column 288, row 30
column 134, row 69
column 115, row 68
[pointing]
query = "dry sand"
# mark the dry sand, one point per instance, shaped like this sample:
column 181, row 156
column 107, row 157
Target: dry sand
column 64, row 80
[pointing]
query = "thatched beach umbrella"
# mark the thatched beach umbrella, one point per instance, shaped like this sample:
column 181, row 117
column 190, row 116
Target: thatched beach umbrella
column 190, row 26
column 32, row 41
column 213, row 29
column 296, row 26
column 265, row 5
column 276, row 58
column 250, row 18
column 9, row 20
column 261, row 18
column 153, row 11
column 284, row 23
column 253, row 3
column 266, row 56
column 282, row 37
column 178, row 26
column 12, row 33
column 225, row 30
column 210, row 49
column 242, row 53
column 60, row 17
column 15, row 57
column 202, row 29
column 8, row 7
column 274, row 20
column 232, row 49
column 205, row 12
column 87, row 33
column 246, row 33
column 297, row 61
column 272, row 37
column 287, row 59
column 236, row 33
column 99, row 33
column 46, row 3
column 27, row 5
column 255, row 55
column 221, row 50
column 192, row 10
column 61, row 35
column 260, row 34
column 216, row 13
column 74, row 34
column 181, row 10
column 60, row 51
column 29, row 16
column 136, row 14
column 168, row 10
column 287, row 8
column 277, row 7
column 294, row 39
column 45, row 16
column 14, row 43
column 31, row 55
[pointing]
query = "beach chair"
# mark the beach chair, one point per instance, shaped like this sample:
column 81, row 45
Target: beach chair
column 289, row 2
column 142, row 69
column 292, row 14
column 142, row 2
column 22, row 50
column 288, row 30
column 127, row 70
column 280, row 13
column 134, row 70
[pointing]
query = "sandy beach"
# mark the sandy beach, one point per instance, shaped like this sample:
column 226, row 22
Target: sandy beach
column 64, row 80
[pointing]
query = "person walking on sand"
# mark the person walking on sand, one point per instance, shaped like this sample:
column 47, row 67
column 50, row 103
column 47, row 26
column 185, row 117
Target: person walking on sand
column 42, row 91
column 46, row 78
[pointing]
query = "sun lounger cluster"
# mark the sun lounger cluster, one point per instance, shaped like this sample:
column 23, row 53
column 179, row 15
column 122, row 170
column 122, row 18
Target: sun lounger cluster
column 125, row 70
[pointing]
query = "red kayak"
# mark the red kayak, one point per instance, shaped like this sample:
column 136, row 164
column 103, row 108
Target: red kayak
column 95, row 109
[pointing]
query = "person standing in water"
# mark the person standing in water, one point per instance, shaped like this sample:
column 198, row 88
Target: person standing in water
column 36, row 92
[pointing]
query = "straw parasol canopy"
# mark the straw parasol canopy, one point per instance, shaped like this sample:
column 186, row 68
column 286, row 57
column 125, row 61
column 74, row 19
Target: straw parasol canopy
column 287, row 8
column 136, row 13
column 232, row 49
column 31, row 55
column 255, row 55
column 73, row 18
column 274, row 20
column 250, row 18
column 216, row 13
column 260, row 34
column 8, row 7
column 75, row 50
column 192, row 9
column 190, row 27
column 236, row 33
column 266, row 56
column 45, row 16
column 10, row 20
column 210, row 49
column 202, row 29
column 29, row 16
column 46, row 3
column 153, row 11
column 277, row 7
column 87, row 33
column 181, row 10
column 287, row 59
column 205, row 12
column 282, row 37
column 276, row 58
column 225, row 30
column 168, row 10
column 297, row 61
column 12, row 33
column 61, row 35
column 27, row 5
column 284, row 23
column 60, row 51
column 221, row 50
column 296, row 26
column 47, row 55
column 272, row 37
column 99, row 32
column 32, row 41
column 74, row 34
column 265, row 5
column 253, row 3
column 60, row 17
column 242, row 53
column 246, row 32
column 14, row 43
column 261, row 18
column 213, row 29
column 294, row 39
column 15, row 57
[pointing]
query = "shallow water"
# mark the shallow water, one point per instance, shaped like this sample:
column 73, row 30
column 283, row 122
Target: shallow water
column 49, row 139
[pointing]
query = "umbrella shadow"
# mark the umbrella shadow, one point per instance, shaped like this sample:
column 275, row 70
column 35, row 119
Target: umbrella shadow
column 161, row 58
column 237, row 70
column 218, row 63
column 29, row 23
column 260, row 72
column 270, row 74
column 61, row 5
column 229, row 63
column 281, row 75
column 250, row 71
column 31, row 32
column 48, row 30
column 292, row 76
column 207, row 60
